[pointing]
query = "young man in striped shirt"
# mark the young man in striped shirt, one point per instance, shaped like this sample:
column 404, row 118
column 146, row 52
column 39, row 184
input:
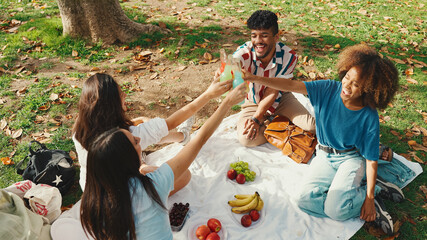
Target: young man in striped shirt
column 265, row 56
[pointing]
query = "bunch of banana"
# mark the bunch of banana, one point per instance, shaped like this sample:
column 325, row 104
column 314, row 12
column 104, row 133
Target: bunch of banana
column 244, row 203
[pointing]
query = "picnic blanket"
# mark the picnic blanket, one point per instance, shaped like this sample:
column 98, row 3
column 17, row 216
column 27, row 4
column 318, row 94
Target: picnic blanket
column 278, row 182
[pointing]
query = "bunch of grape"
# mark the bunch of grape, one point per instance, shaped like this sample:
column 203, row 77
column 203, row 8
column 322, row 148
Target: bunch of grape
column 178, row 213
column 243, row 167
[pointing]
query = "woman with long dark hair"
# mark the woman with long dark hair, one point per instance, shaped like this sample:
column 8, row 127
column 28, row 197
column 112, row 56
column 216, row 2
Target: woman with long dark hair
column 102, row 107
column 121, row 203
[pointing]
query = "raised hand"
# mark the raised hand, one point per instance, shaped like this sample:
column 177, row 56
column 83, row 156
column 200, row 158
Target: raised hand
column 218, row 88
column 237, row 95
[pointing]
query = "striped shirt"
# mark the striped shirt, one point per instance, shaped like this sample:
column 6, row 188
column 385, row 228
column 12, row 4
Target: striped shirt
column 281, row 65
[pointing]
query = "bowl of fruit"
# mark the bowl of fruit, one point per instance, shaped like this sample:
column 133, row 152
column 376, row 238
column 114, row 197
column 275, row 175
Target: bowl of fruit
column 242, row 172
column 247, row 210
column 178, row 214
column 203, row 229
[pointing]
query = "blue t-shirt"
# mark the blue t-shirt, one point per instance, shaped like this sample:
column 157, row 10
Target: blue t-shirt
column 339, row 127
column 151, row 220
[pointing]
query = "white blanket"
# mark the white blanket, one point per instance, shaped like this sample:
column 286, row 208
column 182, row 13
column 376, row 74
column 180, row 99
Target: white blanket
column 278, row 184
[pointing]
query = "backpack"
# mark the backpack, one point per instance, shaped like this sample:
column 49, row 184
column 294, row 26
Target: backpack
column 46, row 166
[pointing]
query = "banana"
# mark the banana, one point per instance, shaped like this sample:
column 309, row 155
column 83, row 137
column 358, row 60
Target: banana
column 241, row 202
column 260, row 204
column 248, row 207
column 243, row 196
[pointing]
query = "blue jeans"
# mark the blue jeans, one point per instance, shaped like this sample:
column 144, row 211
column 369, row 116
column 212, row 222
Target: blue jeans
column 335, row 186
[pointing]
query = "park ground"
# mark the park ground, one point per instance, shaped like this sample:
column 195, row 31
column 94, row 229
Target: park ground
column 42, row 72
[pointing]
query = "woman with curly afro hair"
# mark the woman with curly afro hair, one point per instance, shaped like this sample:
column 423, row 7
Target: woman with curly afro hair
column 342, row 182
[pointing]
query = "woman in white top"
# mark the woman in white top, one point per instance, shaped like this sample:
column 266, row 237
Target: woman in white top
column 102, row 107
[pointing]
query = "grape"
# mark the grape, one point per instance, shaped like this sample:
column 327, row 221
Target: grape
column 243, row 167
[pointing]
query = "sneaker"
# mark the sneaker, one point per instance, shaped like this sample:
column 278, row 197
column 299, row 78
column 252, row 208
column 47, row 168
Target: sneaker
column 383, row 219
column 185, row 129
column 390, row 191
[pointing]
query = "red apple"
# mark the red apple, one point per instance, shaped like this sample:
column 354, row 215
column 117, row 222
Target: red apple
column 214, row 225
column 213, row 236
column 231, row 174
column 246, row 220
column 254, row 215
column 202, row 232
column 241, row 178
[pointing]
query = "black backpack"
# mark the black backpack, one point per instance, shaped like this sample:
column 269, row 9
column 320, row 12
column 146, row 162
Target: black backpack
column 45, row 166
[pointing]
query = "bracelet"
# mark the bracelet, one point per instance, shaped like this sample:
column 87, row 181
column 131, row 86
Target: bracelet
column 256, row 121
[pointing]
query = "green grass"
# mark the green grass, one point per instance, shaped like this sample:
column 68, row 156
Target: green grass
column 395, row 28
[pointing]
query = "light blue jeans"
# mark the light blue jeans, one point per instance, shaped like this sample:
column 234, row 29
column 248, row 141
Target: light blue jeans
column 335, row 186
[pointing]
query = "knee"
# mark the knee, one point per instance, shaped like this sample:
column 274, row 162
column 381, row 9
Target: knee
column 337, row 211
column 247, row 142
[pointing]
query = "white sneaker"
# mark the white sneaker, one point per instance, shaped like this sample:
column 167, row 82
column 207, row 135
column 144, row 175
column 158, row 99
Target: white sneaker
column 185, row 128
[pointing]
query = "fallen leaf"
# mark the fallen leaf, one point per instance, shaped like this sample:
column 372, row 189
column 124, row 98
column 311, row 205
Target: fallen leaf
column 181, row 68
column 409, row 71
column 388, row 18
column 227, row 45
column 412, row 143
column 416, row 158
column 16, row 134
column 154, row 76
column 53, row 96
column 74, row 53
column 310, row 62
column 419, row 147
column 423, row 188
column 188, row 98
column 207, row 56
column 39, row 119
column 3, row 124
column 397, row 60
column 411, row 80
column 395, row 133
column 44, row 107
column 337, row 46
column 73, row 155
column 162, row 24
column 312, row 75
column 7, row 161
column 95, row 69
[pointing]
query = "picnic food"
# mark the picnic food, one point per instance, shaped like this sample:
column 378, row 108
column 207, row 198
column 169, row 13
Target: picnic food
column 241, row 178
column 246, row 203
column 178, row 213
column 246, row 220
column 231, row 174
column 254, row 215
column 202, row 232
column 242, row 167
column 213, row 236
column 214, row 225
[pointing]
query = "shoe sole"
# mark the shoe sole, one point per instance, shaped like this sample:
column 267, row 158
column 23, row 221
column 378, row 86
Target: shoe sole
column 383, row 219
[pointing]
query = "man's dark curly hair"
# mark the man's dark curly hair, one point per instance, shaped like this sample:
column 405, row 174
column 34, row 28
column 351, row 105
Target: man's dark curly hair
column 380, row 79
column 263, row 19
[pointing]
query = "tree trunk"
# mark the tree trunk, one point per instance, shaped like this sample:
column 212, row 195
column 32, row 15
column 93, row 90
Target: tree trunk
column 100, row 20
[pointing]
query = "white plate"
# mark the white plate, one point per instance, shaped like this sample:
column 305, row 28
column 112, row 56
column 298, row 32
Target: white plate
column 252, row 168
column 238, row 217
column 195, row 224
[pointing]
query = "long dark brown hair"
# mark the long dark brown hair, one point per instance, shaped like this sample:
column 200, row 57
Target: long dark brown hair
column 100, row 109
column 106, row 207
column 380, row 78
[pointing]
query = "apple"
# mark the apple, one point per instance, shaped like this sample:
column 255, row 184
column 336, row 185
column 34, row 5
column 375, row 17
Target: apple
column 254, row 215
column 246, row 220
column 213, row 236
column 214, row 225
column 241, row 178
column 202, row 232
column 231, row 174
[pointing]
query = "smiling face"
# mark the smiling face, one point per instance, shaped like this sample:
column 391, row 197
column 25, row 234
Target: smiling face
column 351, row 93
column 264, row 42
column 135, row 142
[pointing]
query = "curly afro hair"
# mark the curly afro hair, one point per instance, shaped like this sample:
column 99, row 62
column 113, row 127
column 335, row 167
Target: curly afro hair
column 380, row 78
column 263, row 19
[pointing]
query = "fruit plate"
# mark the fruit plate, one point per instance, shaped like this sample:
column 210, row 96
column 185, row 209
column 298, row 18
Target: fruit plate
column 238, row 217
column 203, row 221
column 252, row 168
